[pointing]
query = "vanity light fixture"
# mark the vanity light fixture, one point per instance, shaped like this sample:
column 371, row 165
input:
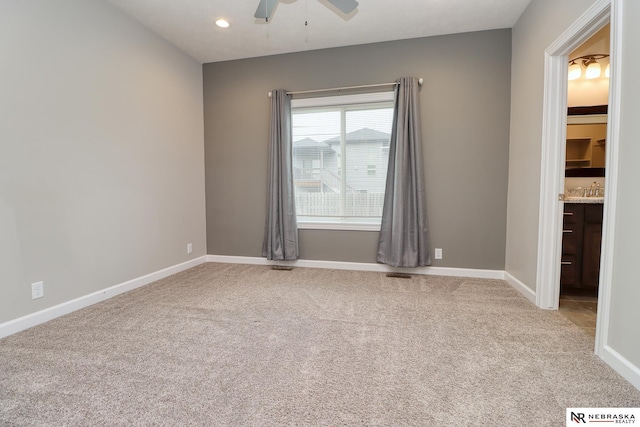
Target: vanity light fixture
column 590, row 64
column 574, row 71
column 222, row 23
column 593, row 69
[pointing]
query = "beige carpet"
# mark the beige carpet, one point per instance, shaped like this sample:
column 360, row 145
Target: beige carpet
column 234, row 345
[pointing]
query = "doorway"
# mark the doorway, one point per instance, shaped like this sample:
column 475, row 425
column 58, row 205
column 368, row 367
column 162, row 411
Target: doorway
column 584, row 188
column 584, row 182
column 554, row 158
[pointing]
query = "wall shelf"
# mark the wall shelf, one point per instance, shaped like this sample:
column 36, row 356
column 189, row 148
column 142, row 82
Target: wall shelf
column 578, row 152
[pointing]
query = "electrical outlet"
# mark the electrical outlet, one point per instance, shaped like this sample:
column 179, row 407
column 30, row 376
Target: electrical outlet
column 37, row 290
column 438, row 253
column 189, row 248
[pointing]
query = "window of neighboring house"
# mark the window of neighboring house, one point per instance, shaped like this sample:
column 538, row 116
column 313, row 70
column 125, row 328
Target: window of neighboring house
column 340, row 156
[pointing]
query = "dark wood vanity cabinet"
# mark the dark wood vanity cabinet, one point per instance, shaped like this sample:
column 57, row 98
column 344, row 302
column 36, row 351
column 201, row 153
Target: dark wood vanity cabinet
column 581, row 241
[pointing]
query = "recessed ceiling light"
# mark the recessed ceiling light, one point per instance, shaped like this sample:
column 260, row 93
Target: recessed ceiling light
column 222, row 23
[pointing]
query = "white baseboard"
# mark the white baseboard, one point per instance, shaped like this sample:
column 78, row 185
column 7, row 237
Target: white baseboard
column 362, row 266
column 520, row 287
column 621, row 365
column 30, row 320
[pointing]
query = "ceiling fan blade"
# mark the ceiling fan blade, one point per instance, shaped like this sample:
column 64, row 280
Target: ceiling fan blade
column 346, row 6
column 265, row 9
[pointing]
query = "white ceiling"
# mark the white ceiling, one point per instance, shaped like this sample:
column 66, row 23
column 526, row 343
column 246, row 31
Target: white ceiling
column 190, row 24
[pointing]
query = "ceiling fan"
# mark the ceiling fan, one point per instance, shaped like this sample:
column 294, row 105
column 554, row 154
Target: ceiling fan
column 266, row 7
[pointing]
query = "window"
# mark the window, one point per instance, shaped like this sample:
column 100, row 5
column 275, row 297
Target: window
column 340, row 157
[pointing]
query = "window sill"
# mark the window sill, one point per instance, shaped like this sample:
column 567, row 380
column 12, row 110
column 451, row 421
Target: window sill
column 339, row 226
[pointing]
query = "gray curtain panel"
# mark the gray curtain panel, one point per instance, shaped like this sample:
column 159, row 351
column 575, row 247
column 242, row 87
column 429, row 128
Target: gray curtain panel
column 403, row 234
column 281, row 228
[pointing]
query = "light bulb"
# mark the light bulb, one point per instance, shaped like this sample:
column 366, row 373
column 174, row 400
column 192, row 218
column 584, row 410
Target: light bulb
column 574, row 71
column 222, row 23
column 607, row 71
column 593, row 70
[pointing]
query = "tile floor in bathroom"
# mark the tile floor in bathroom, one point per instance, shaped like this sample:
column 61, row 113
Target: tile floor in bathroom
column 581, row 311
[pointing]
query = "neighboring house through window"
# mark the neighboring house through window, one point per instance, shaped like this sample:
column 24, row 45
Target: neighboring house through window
column 340, row 157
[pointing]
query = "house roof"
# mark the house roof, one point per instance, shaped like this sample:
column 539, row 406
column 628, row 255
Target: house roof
column 362, row 136
column 309, row 143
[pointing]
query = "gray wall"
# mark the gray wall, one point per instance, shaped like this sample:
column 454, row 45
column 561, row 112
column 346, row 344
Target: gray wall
column 465, row 119
column 101, row 152
column 539, row 26
column 625, row 316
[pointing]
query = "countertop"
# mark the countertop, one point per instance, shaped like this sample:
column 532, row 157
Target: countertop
column 591, row 200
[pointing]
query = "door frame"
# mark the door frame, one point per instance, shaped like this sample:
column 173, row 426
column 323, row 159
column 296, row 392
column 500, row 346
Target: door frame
column 554, row 125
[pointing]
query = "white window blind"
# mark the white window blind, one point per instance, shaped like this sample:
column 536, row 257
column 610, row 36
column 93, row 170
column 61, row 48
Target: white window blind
column 340, row 157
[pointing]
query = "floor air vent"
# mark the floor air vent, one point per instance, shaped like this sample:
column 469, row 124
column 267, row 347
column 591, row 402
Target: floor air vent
column 281, row 268
column 399, row 275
